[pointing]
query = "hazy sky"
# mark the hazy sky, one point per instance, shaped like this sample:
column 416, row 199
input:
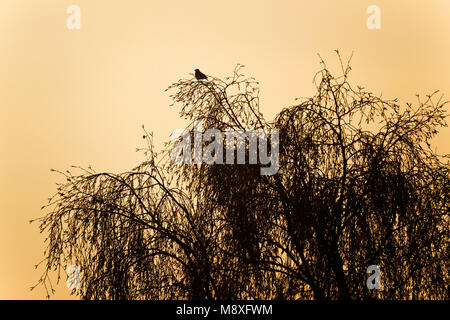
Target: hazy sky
column 79, row 97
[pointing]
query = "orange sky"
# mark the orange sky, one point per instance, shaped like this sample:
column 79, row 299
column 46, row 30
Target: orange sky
column 79, row 97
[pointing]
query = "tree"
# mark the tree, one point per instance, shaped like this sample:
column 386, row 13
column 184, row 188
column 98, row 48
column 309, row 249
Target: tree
column 358, row 185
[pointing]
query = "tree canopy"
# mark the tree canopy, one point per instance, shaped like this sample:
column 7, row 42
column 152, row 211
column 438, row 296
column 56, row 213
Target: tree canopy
column 358, row 184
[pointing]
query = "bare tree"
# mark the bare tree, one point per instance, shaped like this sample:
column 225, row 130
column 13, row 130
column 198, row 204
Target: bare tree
column 358, row 185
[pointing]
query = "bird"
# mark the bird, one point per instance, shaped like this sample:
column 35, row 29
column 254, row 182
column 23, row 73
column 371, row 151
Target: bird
column 200, row 75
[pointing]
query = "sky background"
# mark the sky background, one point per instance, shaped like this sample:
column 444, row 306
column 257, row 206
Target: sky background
column 79, row 97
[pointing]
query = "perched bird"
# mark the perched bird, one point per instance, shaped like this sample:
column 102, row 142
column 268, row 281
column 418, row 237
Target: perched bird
column 200, row 75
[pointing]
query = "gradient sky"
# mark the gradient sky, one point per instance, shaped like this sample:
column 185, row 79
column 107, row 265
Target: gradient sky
column 79, row 97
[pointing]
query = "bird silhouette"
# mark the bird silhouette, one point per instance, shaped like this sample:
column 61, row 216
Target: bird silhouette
column 200, row 75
